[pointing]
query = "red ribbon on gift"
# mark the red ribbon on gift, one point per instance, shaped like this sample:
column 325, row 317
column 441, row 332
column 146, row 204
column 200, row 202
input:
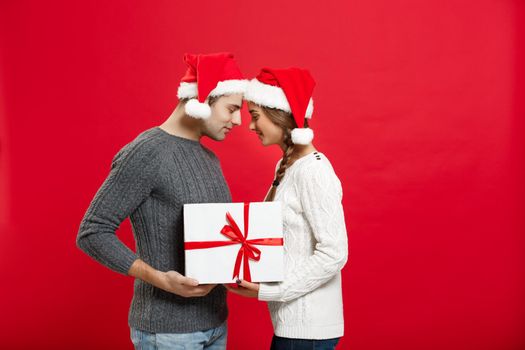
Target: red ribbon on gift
column 247, row 251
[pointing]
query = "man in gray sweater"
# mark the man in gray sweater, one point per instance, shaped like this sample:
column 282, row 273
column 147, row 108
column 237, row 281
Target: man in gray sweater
column 151, row 178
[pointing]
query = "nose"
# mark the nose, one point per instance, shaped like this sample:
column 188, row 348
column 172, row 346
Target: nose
column 252, row 126
column 236, row 120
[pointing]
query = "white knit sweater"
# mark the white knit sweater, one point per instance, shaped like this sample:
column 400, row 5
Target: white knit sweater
column 308, row 303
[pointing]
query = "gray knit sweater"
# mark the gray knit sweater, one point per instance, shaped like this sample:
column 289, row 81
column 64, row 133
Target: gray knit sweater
column 150, row 180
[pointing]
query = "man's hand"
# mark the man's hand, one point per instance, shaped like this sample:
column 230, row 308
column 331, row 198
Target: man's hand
column 176, row 283
column 170, row 281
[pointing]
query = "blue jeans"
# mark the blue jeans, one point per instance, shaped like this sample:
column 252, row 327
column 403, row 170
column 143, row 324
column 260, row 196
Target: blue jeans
column 211, row 339
column 280, row 343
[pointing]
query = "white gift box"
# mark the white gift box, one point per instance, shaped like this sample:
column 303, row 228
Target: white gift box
column 212, row 256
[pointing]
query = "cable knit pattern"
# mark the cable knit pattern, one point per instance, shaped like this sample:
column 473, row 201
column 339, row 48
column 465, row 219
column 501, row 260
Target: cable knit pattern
column 308, row 303
column 151, row 178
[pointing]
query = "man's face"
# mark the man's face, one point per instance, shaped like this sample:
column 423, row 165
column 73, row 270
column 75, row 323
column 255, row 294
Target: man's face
column 225, row 114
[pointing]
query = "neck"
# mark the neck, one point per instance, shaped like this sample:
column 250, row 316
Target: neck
column 182, row 125
column 299, row 151
column 302, row 150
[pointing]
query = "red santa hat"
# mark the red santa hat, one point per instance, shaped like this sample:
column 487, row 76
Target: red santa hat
column 209, row 75
column 289, row 90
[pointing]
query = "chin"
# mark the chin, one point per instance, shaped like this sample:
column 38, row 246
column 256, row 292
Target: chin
column 220, row 137
column 216, row 136
column 266, row 143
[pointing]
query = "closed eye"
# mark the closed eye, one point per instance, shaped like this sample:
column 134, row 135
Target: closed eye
column 254, row 114
column 234, row 108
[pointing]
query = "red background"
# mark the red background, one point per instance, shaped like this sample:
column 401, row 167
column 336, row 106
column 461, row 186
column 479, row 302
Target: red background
column 419, row 106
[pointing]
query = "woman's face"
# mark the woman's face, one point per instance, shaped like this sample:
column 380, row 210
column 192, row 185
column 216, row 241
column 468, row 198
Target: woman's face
column 268, row 132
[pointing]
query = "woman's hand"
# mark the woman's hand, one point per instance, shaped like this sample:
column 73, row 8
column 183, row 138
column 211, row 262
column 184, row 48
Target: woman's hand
column 244, row 288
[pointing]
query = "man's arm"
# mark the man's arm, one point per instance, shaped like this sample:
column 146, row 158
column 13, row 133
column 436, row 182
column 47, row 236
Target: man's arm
column 128, row 184
column 130, row 181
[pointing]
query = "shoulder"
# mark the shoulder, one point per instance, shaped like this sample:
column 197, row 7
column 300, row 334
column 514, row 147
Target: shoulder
column 317, row 171
column 316, row 162
column 143, row 149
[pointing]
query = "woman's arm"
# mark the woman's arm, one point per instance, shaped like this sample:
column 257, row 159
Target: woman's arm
column 320, row 195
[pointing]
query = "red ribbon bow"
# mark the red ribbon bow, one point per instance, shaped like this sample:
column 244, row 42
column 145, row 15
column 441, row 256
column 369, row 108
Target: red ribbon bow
column 248, row 251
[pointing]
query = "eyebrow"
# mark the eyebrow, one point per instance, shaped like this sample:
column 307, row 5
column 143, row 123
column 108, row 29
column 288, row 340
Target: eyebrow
column 236, row 106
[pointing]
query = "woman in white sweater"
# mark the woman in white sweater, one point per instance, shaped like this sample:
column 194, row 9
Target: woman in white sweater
column 306, row 308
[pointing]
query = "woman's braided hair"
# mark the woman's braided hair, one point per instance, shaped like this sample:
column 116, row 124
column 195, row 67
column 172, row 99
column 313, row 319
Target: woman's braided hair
column 286, row 122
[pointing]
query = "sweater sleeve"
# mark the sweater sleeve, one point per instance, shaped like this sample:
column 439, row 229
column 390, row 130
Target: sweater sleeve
column 320, row 195
column 128, row 184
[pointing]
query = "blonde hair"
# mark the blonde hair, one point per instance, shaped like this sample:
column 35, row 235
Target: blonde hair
column 287, row 123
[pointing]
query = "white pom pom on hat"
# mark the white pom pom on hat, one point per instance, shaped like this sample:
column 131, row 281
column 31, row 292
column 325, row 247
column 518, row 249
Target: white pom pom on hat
column 198, row 110
column 302, row 136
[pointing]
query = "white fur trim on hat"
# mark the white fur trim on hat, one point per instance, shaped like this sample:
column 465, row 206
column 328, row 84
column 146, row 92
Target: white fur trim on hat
column 187, row 90
column 197, row 110
column 272, row 97
column 226, row 87
column 302, row 136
